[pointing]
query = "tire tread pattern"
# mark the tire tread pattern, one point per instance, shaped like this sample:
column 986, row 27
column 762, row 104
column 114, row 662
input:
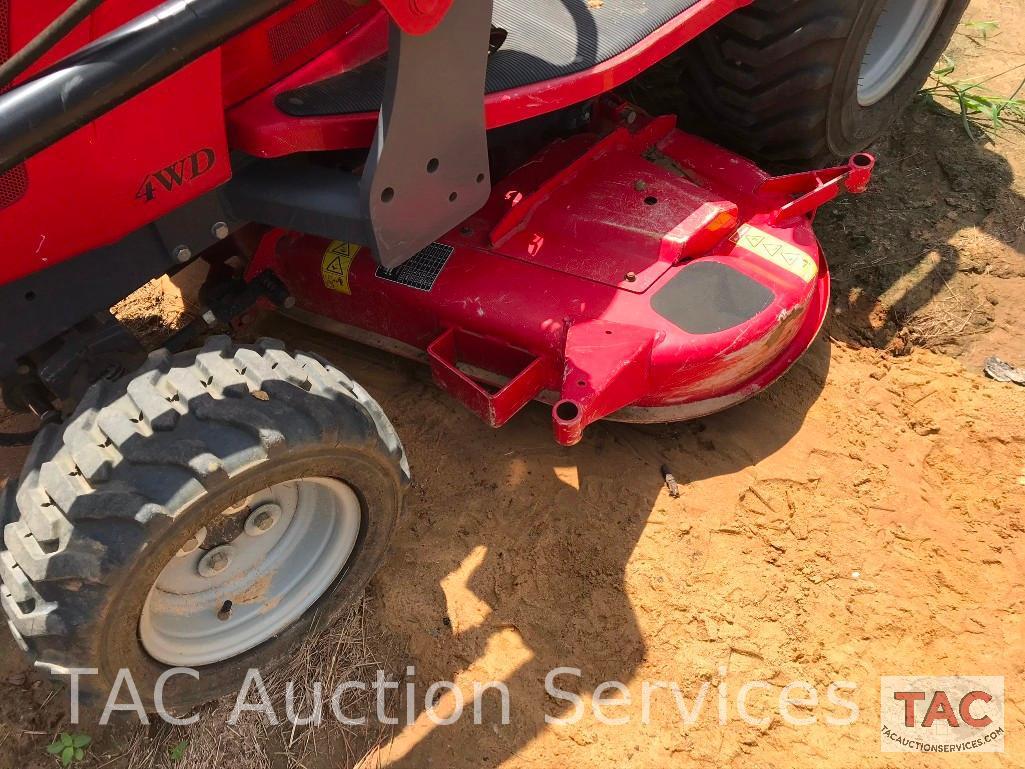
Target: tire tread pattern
column 98, row 490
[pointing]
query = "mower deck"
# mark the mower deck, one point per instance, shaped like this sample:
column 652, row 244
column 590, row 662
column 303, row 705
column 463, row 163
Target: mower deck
column 545, row 41
column 631, row 270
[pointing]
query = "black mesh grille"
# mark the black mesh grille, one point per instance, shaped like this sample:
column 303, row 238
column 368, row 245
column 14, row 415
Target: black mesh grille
column 14, row 183
column 301, row 29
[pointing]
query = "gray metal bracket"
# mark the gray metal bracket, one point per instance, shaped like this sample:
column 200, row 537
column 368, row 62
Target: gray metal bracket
column 427, row 170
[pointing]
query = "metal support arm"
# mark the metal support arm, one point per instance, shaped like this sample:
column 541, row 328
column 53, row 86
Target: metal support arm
column 427, row 170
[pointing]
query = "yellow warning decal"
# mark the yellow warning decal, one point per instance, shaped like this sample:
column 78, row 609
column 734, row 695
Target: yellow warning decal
column 779, row 252
column 336, row 265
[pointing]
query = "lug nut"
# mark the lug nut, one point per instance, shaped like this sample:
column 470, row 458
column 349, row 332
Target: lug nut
column 262, row 519
column 215, row 562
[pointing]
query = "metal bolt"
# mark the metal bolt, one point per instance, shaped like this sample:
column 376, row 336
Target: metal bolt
column 640, row 185
column 631, row 117
column 262, row 519
column 289, row 302
column 23, row 369
column 183, row 253
column 218, row 562
column 220, row 230
column 215, row 562
column 210, row 318
column 225, row 612
column 631, row 277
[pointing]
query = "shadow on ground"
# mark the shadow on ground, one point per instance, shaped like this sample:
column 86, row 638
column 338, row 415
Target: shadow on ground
column 534, row 538
column 940, row 205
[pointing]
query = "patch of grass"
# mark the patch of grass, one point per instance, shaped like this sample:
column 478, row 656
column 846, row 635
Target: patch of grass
column 945, row 320
column 981, row 29
column 981, row 110
column 334, row 652
column 177, row 751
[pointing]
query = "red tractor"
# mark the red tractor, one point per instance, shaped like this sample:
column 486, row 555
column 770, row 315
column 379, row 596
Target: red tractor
column 456, row 181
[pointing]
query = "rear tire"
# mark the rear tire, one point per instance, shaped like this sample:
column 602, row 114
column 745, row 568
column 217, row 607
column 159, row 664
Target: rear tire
column 779, row 79
column 111, row 498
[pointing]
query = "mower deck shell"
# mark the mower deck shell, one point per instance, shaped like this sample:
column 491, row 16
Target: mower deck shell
column 579, row 283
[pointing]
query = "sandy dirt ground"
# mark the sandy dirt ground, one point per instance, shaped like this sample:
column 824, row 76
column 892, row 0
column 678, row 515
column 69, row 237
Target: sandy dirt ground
column 861, row 518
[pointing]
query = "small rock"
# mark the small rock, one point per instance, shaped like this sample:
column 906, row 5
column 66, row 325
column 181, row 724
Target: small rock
column 1002, row 371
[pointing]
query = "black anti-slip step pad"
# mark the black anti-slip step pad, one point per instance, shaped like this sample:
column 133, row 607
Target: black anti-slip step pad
column 547, row 39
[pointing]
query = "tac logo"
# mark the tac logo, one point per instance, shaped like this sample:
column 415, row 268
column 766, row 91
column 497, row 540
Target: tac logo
column 178, row 174
column 942, row 714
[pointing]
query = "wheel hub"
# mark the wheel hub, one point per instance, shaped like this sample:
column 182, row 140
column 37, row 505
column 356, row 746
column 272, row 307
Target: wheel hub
column 211, row 605
column 901, row 33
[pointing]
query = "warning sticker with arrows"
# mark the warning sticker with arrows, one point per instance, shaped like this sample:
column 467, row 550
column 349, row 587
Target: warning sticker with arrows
column 336, row 265
column 779, row 252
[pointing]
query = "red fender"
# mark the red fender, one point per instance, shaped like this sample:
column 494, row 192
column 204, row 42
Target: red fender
column 416, row 17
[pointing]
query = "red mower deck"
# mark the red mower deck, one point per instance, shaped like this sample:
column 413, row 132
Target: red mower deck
column 632, row 272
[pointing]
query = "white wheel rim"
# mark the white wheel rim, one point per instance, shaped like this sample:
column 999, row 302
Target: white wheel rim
column 901, row 33
column 271, row 579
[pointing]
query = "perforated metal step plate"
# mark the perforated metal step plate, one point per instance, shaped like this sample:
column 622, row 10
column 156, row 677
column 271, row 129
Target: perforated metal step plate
column 547, row 39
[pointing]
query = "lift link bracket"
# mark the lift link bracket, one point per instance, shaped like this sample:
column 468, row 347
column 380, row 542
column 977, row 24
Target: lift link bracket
column 812, row 189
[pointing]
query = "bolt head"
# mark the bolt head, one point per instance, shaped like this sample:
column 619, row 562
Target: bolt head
column 215, row 562
column 183, row 253
column 263, row 519
column 220, row 230
column 631, row 117
column 631, row 277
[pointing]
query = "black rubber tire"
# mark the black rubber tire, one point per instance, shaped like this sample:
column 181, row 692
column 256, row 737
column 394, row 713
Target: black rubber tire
column 109, row 497
column 777, row 80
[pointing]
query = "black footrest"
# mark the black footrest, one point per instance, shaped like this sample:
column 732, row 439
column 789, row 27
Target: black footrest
column 547, row 39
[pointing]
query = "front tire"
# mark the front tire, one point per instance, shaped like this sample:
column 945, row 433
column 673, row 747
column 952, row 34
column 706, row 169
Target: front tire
column 121, row 512
column 803, row 82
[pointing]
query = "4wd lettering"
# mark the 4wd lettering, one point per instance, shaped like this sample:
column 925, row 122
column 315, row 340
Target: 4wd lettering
column 178, row 174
